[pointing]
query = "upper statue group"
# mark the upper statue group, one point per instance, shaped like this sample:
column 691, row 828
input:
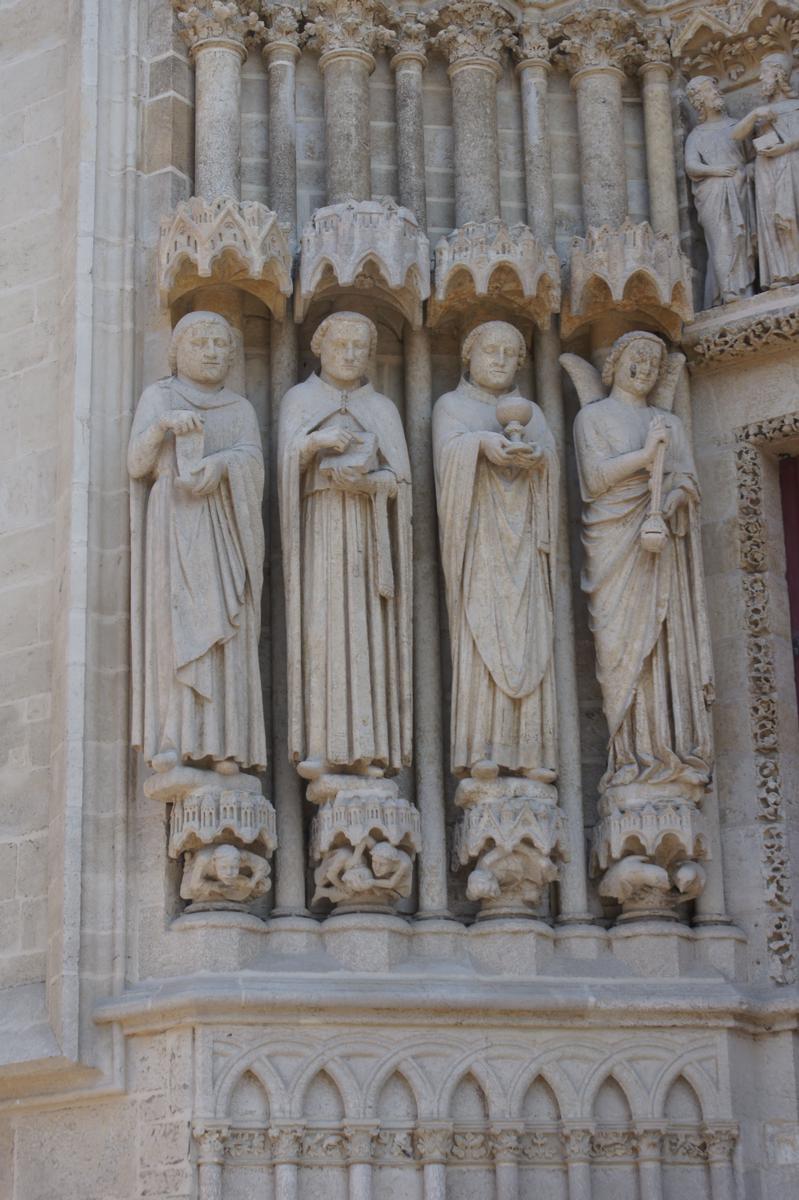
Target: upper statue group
column 748, row 208
column 345, row 488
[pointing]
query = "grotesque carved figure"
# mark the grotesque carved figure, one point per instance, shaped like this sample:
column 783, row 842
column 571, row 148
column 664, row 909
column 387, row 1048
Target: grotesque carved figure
column 345, row 502
column 224, row 873
column 497, row 486
column 197, row 540
column 716, row 163
column 645, row 587
column 776, row 124
column 344, row 875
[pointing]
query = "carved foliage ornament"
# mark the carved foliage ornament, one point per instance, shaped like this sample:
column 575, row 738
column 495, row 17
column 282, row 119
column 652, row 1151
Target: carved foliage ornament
column 283, row 25
column 592, row 37
column 412, row 36
column 217, row 20
column 348, row 25
column 744, row 337
column 473, row 29
column 720, row 52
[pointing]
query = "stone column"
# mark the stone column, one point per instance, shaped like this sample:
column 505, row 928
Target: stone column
column 287, row 785
column 281, row 51
column 472, row 37
column 595, row 47
column 428, row 734
column 359, row 1158
column 720, row 1141
column 210, row 1156
column 433, row 1144
column 408, row 64
column 215, row 36
column 661, row 171
column 286, row 1150
column 505, row 1148
column 577, row 1149
column 347, row 33
column 534, row 68
column 650, row 1149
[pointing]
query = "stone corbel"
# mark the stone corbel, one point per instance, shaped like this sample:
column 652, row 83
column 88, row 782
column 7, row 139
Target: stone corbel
column 369, row 243
column 631, row 270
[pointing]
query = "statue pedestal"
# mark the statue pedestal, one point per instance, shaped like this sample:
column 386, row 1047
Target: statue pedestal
column 648, row 842
column 224, row 827
column 364, row 838
column 514, row 829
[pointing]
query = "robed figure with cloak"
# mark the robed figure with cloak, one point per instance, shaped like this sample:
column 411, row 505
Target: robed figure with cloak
column 497, row 509
column 345, row 518
column 647, row 609
column 197, row 543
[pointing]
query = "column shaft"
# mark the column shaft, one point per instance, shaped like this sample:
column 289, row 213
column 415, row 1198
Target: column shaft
column 408, row 71
column 579, row 1175
column 534, row 83
column 360, row 1181
column 507, row 1179
column 474, row 118
column 287, row 1181
column 600, row 117
column 435, row 1181
column 290, row 853
column 664, row 212
column 428, row 731
column 722, row 1179
column 217, row 123
column 281, row 60
column 210, row 1181
column 347, row 140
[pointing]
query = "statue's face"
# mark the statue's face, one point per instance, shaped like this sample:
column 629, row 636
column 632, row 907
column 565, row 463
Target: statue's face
column 772, row 79
column 345, row 350
column 494, row 360
column 227, row 864
column 205, row 352
column 639, row 367
column 383, row 862
column 707, row 98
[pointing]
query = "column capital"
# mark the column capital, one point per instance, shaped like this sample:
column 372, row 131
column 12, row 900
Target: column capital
column 286, row 1142
column 217, row 23
column 283, row 30
column 655, row 51
column 359, row 1142
column 720, row 1139
column 650, row 1141
column 434, row 1142
column 210, row 1139
column 348, row 27
column 592, row 39
column 576, row 1141
column 412, row 40
column 473, row 33
column 506, row 1142
column 531, row 45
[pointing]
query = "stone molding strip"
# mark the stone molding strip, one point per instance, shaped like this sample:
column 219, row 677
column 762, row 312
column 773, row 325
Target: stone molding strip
column 731, row 342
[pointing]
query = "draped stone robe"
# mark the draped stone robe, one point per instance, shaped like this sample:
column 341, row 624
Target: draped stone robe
column 647, row 611
column 498, row 528
column 349, row 635
column 777, row 196
column 196, row 579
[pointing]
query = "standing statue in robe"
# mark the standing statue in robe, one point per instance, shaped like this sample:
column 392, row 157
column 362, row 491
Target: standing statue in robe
column 776, row 124
column 643, row 578
column 197, row 550
column 716, row 165
column 496, row 474
column 345, row 517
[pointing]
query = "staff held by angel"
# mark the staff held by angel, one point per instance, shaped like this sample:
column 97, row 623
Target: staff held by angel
column 642, row 571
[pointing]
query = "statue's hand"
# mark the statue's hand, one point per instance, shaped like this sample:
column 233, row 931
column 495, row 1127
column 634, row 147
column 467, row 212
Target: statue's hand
column 658, row 435
column 725, row 172
column 182, row 421
column 499, row 450
column 526, row 455
column 677, row 498
column 349, row 479
column 210, row 472
column 775, row 151
column 331, row 440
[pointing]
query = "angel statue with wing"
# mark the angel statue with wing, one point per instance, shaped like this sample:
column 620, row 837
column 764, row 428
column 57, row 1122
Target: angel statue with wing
column 642, row 574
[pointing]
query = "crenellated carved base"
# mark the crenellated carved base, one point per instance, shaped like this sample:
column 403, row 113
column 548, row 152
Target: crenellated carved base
column 364, row 839
column 513, row 828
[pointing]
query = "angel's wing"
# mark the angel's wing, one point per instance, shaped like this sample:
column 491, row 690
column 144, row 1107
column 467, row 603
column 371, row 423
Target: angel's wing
column 585, row 377
column 663, row 394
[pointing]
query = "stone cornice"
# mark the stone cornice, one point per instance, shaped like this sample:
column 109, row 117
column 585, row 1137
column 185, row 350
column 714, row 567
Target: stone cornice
column 217, row 21
column 338, row 26
column 473, row 31
column 597, row 39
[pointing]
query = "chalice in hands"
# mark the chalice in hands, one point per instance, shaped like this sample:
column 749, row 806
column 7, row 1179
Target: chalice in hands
column 513, row 413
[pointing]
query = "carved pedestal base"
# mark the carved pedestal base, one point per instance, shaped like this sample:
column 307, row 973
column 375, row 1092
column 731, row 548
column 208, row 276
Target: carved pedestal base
column 225, row 828
column 513, row 828
column 648, row 843
column 364, row 839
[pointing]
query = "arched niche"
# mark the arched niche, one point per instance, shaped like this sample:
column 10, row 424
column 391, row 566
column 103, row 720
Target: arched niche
column 614, row 1167
column 685, row 1169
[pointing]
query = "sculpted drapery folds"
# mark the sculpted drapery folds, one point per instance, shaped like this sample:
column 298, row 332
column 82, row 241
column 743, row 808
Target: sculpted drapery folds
column 647, row 608
column 345, row 503
column 196, row 463
column 497, row 504
column 716, row 164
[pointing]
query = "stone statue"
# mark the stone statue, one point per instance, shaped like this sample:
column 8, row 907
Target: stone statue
column 776, row 171
column 345, row 512
column 224, row 873
column 197, row 542
column 716, row 164
column 646, row 599
column 343, row 876
column 497, row 486
column 197, row 547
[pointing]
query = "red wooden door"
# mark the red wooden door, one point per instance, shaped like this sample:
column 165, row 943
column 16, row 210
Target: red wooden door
column 789, row 487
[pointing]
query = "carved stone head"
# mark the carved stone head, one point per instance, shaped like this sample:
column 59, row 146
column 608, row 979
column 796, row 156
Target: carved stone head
column 704, row 94
column 201, row 348
column 635, row 362
column 227, row 863
column 492, row 355
column 345, row 342
column 775, row 75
